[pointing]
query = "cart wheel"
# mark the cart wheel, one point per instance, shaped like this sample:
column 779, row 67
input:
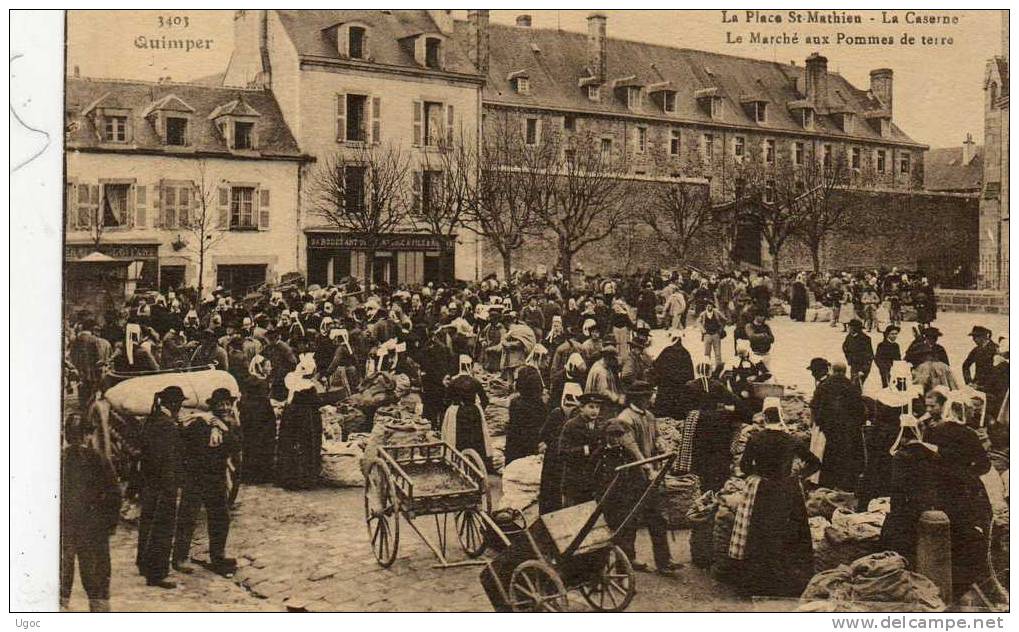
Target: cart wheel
column 536, row 587
column 381, row 513
column 470, row 532
column 615, row 587
column 476, row 460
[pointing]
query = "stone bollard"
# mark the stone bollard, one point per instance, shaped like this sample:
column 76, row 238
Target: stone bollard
column 934, row 551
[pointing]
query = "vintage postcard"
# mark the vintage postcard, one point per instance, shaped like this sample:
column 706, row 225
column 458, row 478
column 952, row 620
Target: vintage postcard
column 450, row 310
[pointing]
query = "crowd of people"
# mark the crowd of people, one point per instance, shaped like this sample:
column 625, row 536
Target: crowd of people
column 588, row 395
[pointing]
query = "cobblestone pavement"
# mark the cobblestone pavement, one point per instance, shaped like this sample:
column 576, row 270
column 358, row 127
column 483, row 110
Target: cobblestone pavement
column 309, row 550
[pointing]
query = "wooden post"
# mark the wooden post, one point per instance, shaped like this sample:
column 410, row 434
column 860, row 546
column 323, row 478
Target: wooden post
column 934, row 551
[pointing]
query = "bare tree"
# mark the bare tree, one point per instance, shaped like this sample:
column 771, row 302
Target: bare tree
column 823, row 212
column 364, row 191
column 780, row 210
column 449, row 197
column 588, row 199
column 515, row 180
column 742, row 186
column 677, row 214
column 201, row 220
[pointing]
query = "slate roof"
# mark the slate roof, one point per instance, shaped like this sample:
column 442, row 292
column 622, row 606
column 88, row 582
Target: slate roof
column 310, row 32
column 943, row 170
column 556, row 60
column 274, row 137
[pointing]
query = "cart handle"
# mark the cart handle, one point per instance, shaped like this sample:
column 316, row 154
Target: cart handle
column 671, row 456
column 652, row 459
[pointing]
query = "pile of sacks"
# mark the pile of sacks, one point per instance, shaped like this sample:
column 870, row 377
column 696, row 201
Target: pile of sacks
column 521, row 484
column 341, row 463
column 378, row 389
column 841, row 535
column 497, row 415
column 729, row 499
column 493, row 384
column 679, row 494
column 818, row 314
column 394, row 426
column 670, row 433
column 878, row 578
column 339, row 420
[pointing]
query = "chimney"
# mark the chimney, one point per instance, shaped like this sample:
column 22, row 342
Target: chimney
column 596, row 44
column 524, row 21
column 881, row 87
column 968, row 150
column 816, row 80
column 477, row 27
column 443, row 19
column 249, row 64
column 1004, row 34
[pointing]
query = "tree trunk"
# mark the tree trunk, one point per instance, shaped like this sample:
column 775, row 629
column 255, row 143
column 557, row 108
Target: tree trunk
column 774, row 272
column 566, row 263
column 369, row 268
column 201, row 270
column 815, row 256
column 507, row 264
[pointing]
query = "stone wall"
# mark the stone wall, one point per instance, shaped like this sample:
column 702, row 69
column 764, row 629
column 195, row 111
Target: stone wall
column 933, row 232
column 981, row 301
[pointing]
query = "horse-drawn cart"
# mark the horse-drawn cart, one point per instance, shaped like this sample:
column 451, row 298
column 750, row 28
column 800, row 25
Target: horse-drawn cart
column 426, row 479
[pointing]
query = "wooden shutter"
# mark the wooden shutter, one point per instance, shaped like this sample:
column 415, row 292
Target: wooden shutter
column 263, row 209
column 170, row 207
column 418, row 122
column 341, row 118
column 82, row 209
column 416, row 193
column 449, row 123
column 95, row 212
column 376, row 120
column 156, row 204
column 140, row 206
column 224, row 208
column 184, row 196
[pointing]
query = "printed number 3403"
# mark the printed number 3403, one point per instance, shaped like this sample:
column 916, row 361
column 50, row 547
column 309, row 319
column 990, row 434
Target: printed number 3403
column 170, row 21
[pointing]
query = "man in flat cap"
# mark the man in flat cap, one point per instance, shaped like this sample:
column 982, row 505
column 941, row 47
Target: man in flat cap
column 859, row 352
column 579, row 446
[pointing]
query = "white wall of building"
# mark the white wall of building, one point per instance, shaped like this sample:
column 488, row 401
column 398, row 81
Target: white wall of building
column 279, row 247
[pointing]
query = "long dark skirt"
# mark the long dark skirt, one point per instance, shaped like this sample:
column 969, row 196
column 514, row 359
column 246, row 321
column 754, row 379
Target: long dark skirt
column 258, row 428
column 299, row 448
column 469, row 433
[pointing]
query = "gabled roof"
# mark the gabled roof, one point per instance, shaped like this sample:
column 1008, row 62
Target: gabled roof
column 274, row 136
column 944, row 170
column 554, row 75
column 312, row 35
column 237, row 107
column 169, row 103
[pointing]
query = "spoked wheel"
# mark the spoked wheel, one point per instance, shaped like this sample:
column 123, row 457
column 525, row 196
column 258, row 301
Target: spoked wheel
column 381, row 513
column 469, row 524
column 615, row 587
column 536, row 587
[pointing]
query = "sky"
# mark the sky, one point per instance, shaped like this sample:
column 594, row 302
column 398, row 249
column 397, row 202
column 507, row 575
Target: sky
column 938, row 88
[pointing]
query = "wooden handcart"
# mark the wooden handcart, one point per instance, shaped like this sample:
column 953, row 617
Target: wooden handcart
column 540, row 564
column 427, row 479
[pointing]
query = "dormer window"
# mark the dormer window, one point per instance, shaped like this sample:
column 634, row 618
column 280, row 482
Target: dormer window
column 716, row 108
column 356, row 39
column 760, row 111
column 433, row 52
column 808, row 118
column 669, row 102
column 633, row 100
column 848, row 122
column 886, row 127
column 115, row 129
column 522, row 85
column 710, row 102
column 176, row 131
column 594, row 93
column 244, row 135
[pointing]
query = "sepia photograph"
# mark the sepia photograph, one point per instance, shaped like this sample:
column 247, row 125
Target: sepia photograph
column 499, row 310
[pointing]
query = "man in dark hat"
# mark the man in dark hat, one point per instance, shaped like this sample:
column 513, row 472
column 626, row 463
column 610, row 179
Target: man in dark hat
column 981, row 358
column 89, row 511
column 887, row 353
column 859, row 352
column 209, row 351
column 671, row 370
column 819, row 368
column 636, row 363
column 208, row 445
column 838, row 410
column 161, row 476
column 579, row 446
column 926, row 344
